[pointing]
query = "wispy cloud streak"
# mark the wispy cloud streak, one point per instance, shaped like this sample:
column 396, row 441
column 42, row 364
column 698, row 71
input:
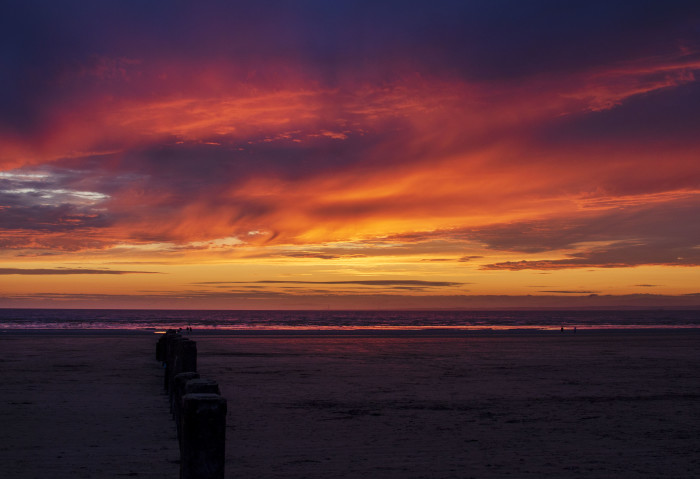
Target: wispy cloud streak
column 66, row 271
column 372, row 282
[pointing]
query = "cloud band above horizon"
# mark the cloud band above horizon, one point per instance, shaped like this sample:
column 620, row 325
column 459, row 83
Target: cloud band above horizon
column 469, row 141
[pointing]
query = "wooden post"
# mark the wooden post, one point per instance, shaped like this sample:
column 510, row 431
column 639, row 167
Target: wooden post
column 203, row 448
column 162, row 344
column 200, row 385
column 169, row 352
column 179, row 382
column 187, row 356
column 184, row 361
column 196, row 386
column 176, row 404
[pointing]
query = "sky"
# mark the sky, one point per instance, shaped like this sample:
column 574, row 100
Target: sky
column 349, row 155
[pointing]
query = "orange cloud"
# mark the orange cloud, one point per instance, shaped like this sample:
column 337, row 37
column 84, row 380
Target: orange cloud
column 356, row 161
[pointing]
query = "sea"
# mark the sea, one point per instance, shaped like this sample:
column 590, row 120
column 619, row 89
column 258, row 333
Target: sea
column 212, row 320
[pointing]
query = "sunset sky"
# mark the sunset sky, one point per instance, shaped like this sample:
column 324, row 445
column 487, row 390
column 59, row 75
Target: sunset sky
column 349, row 154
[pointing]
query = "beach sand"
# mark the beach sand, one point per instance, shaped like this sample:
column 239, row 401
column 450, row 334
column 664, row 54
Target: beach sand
column 83, row 406
column 592, row 404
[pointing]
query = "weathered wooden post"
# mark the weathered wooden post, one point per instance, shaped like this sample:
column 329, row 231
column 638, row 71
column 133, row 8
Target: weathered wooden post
column 184, row 361
column 195, row 386
column 202, row 386
column 162, row 344
column 186, row 356
column 179, row 382
column 176, row 404
column 202, row 451
column 169, row 352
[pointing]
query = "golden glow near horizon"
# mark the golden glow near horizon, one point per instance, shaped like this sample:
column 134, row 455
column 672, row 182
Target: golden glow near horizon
column 137, row 177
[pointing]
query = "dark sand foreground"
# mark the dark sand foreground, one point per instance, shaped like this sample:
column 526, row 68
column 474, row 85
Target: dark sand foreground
column 79, row 406
column 593, row 405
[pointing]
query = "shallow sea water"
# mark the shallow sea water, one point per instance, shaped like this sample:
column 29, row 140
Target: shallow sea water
column 342, row 320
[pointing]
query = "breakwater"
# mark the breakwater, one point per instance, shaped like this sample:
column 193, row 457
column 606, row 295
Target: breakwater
column 198, row 409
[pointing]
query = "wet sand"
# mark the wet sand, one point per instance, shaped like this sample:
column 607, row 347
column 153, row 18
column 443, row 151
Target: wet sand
column 593, row 405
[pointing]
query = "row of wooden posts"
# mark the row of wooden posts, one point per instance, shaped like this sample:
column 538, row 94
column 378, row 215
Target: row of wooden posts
column 197, row 406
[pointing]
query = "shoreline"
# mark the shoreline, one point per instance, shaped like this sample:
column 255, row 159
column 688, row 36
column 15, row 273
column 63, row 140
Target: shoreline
column 428, row 332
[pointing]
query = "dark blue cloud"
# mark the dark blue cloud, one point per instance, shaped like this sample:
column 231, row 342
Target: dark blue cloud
column 44, row 45
column 50, row 218
column 665, row 115
column 478, row 39
column 663, row 224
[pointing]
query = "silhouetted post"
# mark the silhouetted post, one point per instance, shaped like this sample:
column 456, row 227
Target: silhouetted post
column 187, row 356
column 203, row 436
column 170, row 346
column 191, row 386
column 179, row 382
column 161, row 345
column 176, row 404
column 184, row 361
column 202, row 386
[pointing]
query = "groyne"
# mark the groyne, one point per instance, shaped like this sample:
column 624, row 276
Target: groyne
column 198, row 409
